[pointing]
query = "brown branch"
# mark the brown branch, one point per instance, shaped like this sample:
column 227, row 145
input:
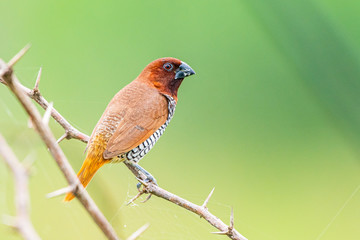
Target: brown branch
column 202, row 211
column 55, row 150
column 22, row 221
column 70, row 131
column 151, row 188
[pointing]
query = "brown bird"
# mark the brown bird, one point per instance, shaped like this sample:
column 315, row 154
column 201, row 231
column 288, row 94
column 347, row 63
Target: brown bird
column 135, row 118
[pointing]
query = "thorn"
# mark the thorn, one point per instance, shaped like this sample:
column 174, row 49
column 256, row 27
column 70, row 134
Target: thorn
column 134, row 198
column 138, row 232
column 208, row 198
column 47, row 114
column 231, row 227
column 62, row 137
column 142, row 182
column 61, row 191
column 36, row 87
column 220, row 233
column 18, row 56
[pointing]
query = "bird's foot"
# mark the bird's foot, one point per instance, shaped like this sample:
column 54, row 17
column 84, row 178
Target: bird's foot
column 143, row 182
column 149, row 178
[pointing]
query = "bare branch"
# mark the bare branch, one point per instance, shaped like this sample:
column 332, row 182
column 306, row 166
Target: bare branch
column 140, row 231
column 199, row 210
column 22, row 221
column 202, row 211
column 56, row 152
column 35, row 95
column 231, row 226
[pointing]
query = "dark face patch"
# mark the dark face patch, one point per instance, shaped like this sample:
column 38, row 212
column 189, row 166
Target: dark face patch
column 161, row 73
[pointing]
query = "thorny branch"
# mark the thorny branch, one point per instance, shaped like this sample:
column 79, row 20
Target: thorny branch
column 22, row 222
column 150, row 188
column 70, row 131
column 7, row 77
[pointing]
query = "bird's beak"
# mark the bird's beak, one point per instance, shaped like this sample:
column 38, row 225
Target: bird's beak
column 184, row 71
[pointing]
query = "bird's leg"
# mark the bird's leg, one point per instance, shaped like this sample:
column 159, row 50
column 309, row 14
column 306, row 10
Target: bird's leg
column 149, row 177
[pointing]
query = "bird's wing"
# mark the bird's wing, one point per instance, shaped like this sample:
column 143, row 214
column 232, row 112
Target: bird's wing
column 144, row 113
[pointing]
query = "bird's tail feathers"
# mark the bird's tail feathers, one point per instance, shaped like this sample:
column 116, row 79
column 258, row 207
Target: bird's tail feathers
column 87, row 171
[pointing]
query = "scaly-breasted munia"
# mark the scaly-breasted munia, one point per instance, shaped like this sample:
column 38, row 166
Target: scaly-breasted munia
column 135, row 118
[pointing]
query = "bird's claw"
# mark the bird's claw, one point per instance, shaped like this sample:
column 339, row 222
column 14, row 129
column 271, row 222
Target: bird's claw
column 147, row 198
column 143, row 182
column 149, row 179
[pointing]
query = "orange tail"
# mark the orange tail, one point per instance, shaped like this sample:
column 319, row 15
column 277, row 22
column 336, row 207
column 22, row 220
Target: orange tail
column 87, row 171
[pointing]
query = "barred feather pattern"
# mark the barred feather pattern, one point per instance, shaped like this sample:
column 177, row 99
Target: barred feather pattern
column 137, row 153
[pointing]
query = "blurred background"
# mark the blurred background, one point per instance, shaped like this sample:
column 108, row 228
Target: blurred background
column 272, row 118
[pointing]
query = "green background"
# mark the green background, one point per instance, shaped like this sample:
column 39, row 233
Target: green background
column 271, row 119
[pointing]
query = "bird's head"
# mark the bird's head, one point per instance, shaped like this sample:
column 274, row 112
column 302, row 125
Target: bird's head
column 166, row 75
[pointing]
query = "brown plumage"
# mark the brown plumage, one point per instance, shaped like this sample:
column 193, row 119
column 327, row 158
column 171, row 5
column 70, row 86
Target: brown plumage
column 135, row 118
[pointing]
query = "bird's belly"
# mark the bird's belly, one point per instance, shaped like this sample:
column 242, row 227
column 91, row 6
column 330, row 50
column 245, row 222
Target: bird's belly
column 140, row 151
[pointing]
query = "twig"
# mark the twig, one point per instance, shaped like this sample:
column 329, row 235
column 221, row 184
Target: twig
column 22, row 221
column 231, row 226
column 61, row 191
column 151, row 188
column 34, row 94
column 138, row 232
column 55, row 150
column 199, row 210
column 62, row 138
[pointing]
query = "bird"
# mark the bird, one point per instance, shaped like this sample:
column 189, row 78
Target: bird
column 135, row 118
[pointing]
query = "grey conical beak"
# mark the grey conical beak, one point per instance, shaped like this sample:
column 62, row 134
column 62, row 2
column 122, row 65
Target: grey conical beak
column 184, row 71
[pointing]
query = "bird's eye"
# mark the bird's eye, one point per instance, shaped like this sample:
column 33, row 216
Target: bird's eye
column 168, row 67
